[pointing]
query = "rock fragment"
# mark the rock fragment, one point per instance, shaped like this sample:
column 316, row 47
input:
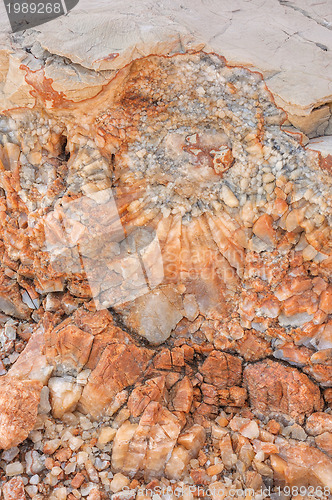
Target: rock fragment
column 276, row 389
column 19, row 401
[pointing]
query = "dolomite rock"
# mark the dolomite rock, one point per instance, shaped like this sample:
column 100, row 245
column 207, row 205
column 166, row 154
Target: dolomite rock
column 111, row 39
column 18, row 409
column 14, row 489
column 165, row 190
column 318, row 423
column 146, row 445
column 284, row 391
column 301, row 464
column 222, row 370
column 119, row 367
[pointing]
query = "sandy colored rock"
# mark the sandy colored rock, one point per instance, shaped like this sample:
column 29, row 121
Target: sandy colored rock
column 64, row 395
column 146, row 446
column 277, row 389
column 18, row 409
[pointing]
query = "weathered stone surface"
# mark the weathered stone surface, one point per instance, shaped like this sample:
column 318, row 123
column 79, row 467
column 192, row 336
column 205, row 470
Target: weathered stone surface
column 119, row 367
column 14, row 489
column 276, row 389
column 68, row 347
column 19, row 401
column 222, row 370
column 301, row 464
column 165, row 189
column 146, row 446
column 293, row 71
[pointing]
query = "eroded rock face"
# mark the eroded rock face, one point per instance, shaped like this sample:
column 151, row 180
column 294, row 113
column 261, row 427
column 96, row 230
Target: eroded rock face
column 167, row 236
column 275, row 388
column 18, row 409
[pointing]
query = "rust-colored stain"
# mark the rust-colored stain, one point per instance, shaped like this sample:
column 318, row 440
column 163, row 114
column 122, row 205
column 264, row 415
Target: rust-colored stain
column 43, row 87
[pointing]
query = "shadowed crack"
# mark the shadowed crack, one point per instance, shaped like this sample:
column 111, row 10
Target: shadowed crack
column 324, row 23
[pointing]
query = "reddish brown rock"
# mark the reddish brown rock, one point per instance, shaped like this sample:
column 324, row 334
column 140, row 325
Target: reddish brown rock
column 234, row 396
column 321, row 372
column 301, row 465
column 222, row 370
column 14, row 489
column 19, row 401
column 119, row 367
column 276, row 389
column 253, row 347
column 152, row 390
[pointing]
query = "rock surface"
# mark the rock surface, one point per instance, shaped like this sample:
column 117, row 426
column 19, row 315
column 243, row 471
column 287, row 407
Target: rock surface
column 165, row 251
column 18, row 410
column 274, row 388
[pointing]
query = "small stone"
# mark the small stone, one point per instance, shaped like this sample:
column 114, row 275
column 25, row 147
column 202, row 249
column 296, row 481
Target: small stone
column 106, row 435
column 250, row 430
column 119, row 482
column 14, row 469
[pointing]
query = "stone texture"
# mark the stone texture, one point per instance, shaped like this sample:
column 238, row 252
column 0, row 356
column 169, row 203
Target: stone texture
column 119, row 367
column 222, row 370
column 14, row 489
column 18, row 409
column 276, row 389
column 293, row 71
column 301, row 464
column 167, row 190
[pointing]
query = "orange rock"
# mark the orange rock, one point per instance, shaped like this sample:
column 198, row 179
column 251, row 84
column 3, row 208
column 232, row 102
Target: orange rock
column 263, row 229
column 301, row 465
column 69, row 347
column 119, row 367
column 14, row 489
column 19, row 401
column 276, row 389
column 181, row 396
column 222, row 370
column 234, row 396
column 253, row 347
column 325, row 303
column 318, row 423
column 152, row 390
column 324, row 442
column 146, row 446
